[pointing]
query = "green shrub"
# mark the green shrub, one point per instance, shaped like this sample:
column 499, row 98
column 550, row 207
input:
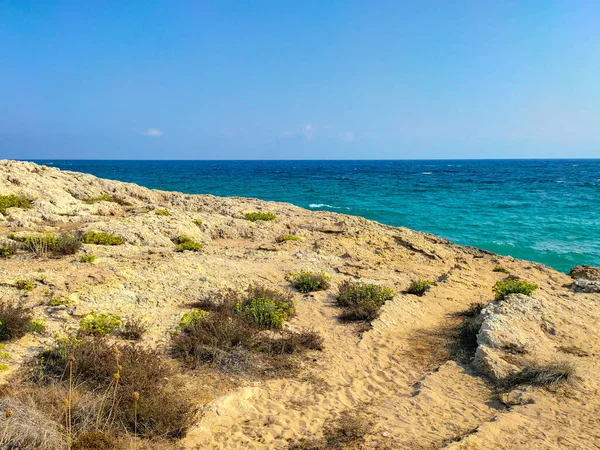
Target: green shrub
column 25, row 285
column 8, row 248
column 100, row 238
column 98, row 324
column 162, row 212
column 307, row 281
column 187, row 243
column 288, row 237
column 506, row 287
column 37, row 326
column 58, row 301
column 13, row 201
column 106, row 198
column 192, row 318
column 361, row 301
column 198, row 223
column 87, row 259
column 255, row 216
column 40, row 244
column 14, row 320
column 419, row 287
column 501, row 269
column 269, row 308
column 66, row 244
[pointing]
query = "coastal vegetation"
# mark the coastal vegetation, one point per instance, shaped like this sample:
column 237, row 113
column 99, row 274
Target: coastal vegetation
column 13, row 201
column 162, row 212
column 259, row 216
column 501, row 269
column 419, row 287
column 307, row 281
column 186, row 243
column 288, row 237
column 106, row 198
column 101, row 238
column 89, row 258
column 505, row 287
column 14, row 320
column 543, row 375
column 99, row 324
column 361, row 301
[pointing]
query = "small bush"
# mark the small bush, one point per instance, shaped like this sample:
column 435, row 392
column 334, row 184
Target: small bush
column 8, row 248
column 67, row 244
column 190, row 319
column 13, row 201
column 100, row 238
column 506, row 287
column 96, row 440
column 348, row 431
column 37, row 326
column 25, row 285
column 268, row 307
column 549, row 375
column 133, row 329
column 255, row 216
column 419, row 287
column 288, row 237
column 98, row 324
column 187, row 243
column 162, row 212
column 58, row 301
column 361, row 301
column 40, row 244
column 198, row 223
column 290, row 342
column 14, row 320
column 307, row 281
column 501, row 269
column 87, row 259
column 106, row 198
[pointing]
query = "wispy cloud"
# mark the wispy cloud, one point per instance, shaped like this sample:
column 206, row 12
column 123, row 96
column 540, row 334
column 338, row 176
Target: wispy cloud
column 308, row 132
column 154, row 132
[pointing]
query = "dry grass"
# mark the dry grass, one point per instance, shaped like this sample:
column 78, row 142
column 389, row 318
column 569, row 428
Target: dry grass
column 547, row 375
column 348, row 431
column 14, row 320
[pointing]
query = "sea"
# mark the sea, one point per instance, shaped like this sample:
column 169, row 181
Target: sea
column 547, row 211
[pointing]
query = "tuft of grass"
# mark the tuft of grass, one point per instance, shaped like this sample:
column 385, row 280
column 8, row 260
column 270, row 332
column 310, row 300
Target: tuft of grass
column 13, row 201
column 96, row 440
column 162, row 212
column 547, row 375
column 58, row 301
column 101, row 238
column 37, row 326
column 8, row 248
column 198, row 223
column 268, row 308
column 187, row 243
column 106, row 198
column 133, row 329
column 99, row 324
column 361, row 301
column 288, row 237
column 501, row 269
column 505, row 287
column 40, row 244
column 348, row 431
column 87, row 258
column 419, row 287
column 25, row 285
column 14, row 320
column 190, row 319
column 256, row 216
column 307, row 281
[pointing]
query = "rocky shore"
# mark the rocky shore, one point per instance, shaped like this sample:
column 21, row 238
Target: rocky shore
column 460, row 364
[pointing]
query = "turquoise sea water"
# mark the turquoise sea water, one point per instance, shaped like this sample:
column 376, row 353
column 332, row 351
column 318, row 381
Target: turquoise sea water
column 540, row 210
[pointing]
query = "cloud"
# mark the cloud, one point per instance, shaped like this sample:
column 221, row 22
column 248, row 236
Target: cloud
column 154, row 132
column 308, row 132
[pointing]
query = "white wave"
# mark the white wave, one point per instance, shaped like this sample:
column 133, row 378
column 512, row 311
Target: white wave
column 324, row 205
column 426, row 173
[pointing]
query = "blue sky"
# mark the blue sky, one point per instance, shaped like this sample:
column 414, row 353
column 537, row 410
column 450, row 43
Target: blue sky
column 299, row 79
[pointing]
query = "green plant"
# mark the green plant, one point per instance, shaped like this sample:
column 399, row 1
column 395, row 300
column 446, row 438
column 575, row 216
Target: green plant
column 197, row 222
column 37, row 326
column 501, row 269
column 187, row 243
column 14, row 320
column 25, row 285
column 307, row 281
column 268, row 307
column 162, row 212
column 99, row 324
column 57, row 301
column 66, row 244
column 288, row 237
column 362, row 301
column 101, row 238
column 255, row 216
column 40, row 244
column 8, row 248
column 13, row 201
column 419, row 287
column 506, row 287
column 87, row 258
column 192, row 318
column 106, row 198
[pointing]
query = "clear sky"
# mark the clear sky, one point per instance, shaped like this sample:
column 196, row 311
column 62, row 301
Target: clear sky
column 287, row 79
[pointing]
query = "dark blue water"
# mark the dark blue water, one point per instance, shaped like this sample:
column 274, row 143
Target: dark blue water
column 541, row 210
